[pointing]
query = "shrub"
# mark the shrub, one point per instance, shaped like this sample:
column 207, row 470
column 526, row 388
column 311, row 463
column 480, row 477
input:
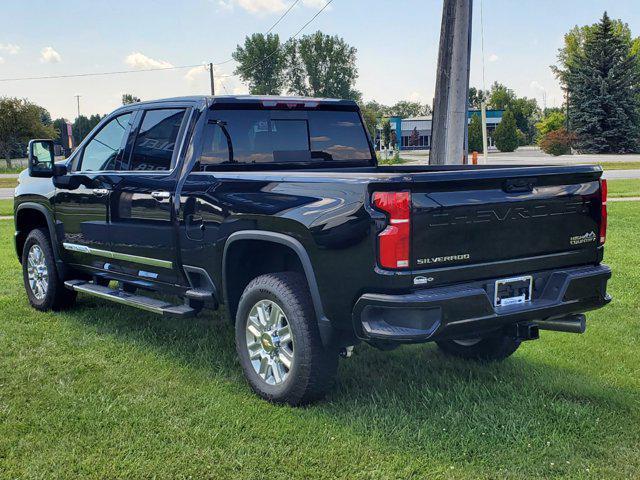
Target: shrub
column 557, row 142
column 506, row 133
column 475, row 134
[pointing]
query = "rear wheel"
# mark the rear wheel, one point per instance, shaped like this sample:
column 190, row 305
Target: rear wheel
column 278, row 342
column 491, row 348
column 44, row 288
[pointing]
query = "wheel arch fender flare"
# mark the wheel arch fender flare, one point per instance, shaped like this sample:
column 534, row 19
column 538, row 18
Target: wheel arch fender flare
column 324, row 324
column 51, row 226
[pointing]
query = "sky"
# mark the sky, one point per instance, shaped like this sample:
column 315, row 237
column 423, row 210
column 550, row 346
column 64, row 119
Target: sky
column 397, row 44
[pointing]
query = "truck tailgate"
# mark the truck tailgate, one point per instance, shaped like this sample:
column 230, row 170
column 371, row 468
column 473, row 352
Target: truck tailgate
column 504, row 217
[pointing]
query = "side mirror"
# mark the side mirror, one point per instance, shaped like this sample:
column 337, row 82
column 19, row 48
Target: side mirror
column 41, row 158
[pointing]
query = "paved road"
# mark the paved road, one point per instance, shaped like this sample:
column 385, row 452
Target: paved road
column 6, row 193
column 528, row 155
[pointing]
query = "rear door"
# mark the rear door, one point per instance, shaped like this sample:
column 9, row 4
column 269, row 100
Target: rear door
column 142, row 233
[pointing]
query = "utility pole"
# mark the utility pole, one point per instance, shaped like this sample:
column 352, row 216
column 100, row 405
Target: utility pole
column 213, row 86
column 485, row 142
column 449, row 132
column 78, row 103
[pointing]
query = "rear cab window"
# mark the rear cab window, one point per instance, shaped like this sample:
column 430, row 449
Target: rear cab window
column 271, row 137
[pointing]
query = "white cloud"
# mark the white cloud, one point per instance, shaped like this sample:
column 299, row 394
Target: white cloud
column 1, row 60
column 267, row 6
column 316, row 4
column 140, row 61
column 194, row 73
column 535, row 85
column 416, row 97
column 49, row 55
column 262, row 6
column 10, row 48
column 493, row 57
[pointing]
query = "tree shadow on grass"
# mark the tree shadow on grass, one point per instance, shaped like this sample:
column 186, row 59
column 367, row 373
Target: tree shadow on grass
column 415, row 399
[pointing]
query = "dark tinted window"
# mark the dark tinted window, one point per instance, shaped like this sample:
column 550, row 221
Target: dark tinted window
column 156, row 139
column 105, row 150
column 272, row 136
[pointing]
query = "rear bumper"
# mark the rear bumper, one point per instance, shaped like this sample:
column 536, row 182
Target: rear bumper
column 467, row 310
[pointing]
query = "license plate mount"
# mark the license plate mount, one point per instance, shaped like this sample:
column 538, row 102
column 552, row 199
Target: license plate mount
column 513, row 291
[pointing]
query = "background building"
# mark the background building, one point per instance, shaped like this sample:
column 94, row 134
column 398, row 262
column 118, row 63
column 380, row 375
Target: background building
column 416, row 131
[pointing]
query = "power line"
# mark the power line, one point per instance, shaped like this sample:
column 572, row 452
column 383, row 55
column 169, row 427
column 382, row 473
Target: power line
column 268, row 31
column 281, row 17
column 123, row 72
column 92, row 74
column 257, row 64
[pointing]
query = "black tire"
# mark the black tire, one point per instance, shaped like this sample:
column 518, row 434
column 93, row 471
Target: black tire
column 313, row 368
column 487, row 349
column 55, row 296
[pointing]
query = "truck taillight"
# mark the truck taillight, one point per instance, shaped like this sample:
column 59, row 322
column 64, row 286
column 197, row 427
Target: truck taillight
column 603, row 212
column 393, row 241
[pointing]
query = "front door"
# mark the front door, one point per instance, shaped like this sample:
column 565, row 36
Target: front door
column 82, row 207
column 142, row 232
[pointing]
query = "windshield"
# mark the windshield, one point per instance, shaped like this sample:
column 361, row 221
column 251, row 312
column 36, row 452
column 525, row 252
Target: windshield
column 281, row 137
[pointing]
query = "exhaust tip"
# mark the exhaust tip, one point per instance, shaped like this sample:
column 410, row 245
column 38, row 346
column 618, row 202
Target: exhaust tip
column 571, row 324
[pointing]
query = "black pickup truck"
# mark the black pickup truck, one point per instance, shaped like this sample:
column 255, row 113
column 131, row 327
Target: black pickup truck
column 276, row 209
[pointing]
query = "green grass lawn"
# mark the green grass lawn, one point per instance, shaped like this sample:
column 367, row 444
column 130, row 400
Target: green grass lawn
column 6, row 207
column 14, row 169
column 8, row 182
column 620, row 165
column 107, row 391
column 624, row 188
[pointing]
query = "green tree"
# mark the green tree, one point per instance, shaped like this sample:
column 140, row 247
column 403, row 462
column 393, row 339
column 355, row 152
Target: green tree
column 386, row 132
column 83, row 125
column 127, row 99
column 370, row 119
column 574, row 42
column 526, row 113
column 476, row 97
column 603, row 81
column 501, row 97
column 475, row 134
column 321, row 65
column 506, row 133
column 379, row 109
column 21, row 120
column 261, row 63
column 406, row 109
column 553, row 121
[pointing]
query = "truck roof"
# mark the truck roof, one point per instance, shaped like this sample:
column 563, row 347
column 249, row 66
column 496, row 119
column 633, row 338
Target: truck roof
column 211, row 99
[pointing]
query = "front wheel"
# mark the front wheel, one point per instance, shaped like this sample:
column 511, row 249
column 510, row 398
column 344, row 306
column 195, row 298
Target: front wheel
column 278, row 341
column 44, row 288
column 492, row 348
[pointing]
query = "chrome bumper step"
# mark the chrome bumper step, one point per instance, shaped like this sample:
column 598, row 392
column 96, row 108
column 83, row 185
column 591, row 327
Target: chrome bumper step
column 154, row 305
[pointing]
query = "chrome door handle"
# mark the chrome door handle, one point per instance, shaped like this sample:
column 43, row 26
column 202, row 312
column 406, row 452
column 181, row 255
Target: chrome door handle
column 100, row 192
column 161, row 195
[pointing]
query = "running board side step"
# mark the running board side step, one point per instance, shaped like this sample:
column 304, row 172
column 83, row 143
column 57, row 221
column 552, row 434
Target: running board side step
column 130, row 299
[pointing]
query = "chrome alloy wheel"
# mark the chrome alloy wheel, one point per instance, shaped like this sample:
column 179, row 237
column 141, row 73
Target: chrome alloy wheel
column 269, row 342
column 37, row 272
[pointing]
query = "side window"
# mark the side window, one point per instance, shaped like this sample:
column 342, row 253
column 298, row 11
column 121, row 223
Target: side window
column 156, row 140
column 105, row 150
